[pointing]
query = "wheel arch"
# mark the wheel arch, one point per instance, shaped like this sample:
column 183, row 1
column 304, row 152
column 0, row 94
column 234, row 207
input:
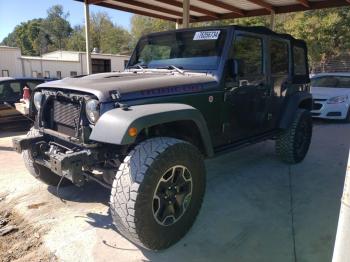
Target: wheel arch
column 186, row 130
column 299, row 100
column 188, row 122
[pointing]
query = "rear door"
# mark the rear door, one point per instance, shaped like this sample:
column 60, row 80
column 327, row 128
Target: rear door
column 279, row 66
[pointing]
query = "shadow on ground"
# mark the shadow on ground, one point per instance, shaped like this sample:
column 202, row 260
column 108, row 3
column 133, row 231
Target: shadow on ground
column 256, row 208
column 90, row 193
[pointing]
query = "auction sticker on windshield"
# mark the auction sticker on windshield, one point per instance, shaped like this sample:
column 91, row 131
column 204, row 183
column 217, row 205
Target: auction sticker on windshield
column 206, row 35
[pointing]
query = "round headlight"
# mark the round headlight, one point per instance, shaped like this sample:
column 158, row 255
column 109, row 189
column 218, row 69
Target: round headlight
column 38, row 97
column 92, row 110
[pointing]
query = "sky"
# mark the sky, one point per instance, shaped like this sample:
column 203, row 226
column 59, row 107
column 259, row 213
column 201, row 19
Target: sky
column 13, row 12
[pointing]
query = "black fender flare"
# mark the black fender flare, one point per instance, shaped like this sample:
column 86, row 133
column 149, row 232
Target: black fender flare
column 112, row 127
column 291, row 105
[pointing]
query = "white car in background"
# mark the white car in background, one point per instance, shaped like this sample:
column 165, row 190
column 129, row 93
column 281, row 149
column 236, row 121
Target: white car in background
column 331, row 95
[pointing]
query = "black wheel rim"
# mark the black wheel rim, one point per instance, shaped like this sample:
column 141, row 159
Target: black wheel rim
column 172, row 195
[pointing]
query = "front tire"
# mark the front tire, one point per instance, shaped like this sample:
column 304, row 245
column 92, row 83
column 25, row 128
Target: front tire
column 41, row 172
column 157, row 192
column 293, row 144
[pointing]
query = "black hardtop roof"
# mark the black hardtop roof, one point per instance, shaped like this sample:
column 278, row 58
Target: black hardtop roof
column 253, row 29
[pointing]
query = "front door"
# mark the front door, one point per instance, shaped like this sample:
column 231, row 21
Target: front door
column 248, row 94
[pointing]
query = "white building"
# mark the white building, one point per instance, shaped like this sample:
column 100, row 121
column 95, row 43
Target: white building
column 10, row 61
column 56, row 64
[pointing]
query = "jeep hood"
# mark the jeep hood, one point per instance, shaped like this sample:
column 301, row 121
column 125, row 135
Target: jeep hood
column 133, row 85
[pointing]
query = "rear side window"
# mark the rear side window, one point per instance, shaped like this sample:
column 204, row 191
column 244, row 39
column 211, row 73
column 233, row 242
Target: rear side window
column 32, row 84
column 279, row 57
column 299, row 61
column 249, row 49
column 10, row 91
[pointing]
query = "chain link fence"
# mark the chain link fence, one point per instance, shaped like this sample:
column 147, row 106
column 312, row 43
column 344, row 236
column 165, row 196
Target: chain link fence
column 338, row 64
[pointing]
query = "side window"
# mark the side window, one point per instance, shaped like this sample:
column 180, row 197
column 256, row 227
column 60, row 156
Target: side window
column 249, row 50
column 299, row 61
column 10, row 91
column 32, row 84
column 279, row 57
column 2, row 87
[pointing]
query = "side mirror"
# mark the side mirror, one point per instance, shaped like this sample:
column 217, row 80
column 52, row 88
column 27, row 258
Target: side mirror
column 237, row 68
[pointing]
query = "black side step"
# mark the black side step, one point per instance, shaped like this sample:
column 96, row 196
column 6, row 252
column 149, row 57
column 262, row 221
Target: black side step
column 245, row 142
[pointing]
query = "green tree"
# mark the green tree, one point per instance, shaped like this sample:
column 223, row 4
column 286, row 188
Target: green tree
column 76, row 40
column 327, row 32
column 30, row 37
column 57, row 26
column 142, row 25
column 107, row 36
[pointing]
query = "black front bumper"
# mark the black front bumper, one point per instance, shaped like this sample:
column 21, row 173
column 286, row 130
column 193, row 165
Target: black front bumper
column 68, row 164
column 20, row 144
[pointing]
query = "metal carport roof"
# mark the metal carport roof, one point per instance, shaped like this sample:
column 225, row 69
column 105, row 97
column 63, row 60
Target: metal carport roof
column 208, row 10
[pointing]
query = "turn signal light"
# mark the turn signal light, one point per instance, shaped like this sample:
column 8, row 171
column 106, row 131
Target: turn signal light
column 132, row 131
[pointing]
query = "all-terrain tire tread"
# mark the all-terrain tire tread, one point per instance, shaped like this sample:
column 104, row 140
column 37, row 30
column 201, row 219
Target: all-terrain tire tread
column 126, row 183
column 285, row 142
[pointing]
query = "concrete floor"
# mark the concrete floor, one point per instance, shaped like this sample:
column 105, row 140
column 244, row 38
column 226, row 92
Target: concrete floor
column 255, row 209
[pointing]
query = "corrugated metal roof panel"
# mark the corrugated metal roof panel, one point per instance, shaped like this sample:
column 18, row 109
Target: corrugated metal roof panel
column 208, row 7
column 167, row 6
column 216, row 9
column 282, row 2
column 116, row 3
column 242, row 4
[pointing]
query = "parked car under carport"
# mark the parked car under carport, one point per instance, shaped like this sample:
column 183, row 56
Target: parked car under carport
column 331, row 96
column 11, row 91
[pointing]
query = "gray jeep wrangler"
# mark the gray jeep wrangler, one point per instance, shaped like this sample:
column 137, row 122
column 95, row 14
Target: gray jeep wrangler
column 186, row 95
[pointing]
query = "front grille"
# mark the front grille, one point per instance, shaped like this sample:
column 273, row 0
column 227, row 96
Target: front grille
column 66, row 113
column 317, row 106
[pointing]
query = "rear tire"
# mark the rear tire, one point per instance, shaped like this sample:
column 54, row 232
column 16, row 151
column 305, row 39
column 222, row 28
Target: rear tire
column 293, row 144
column 38, row 171
column 142, row 183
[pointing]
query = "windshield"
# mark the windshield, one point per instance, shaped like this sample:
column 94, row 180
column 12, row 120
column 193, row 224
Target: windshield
column 331, row 81
column 197, row 50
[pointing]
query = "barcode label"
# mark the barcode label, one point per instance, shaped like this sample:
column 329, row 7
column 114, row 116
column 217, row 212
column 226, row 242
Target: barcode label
column 206, row 35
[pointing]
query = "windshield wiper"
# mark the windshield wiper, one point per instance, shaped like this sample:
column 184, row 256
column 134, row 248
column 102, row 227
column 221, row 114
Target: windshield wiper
column 172, row 67
column 142, row 67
